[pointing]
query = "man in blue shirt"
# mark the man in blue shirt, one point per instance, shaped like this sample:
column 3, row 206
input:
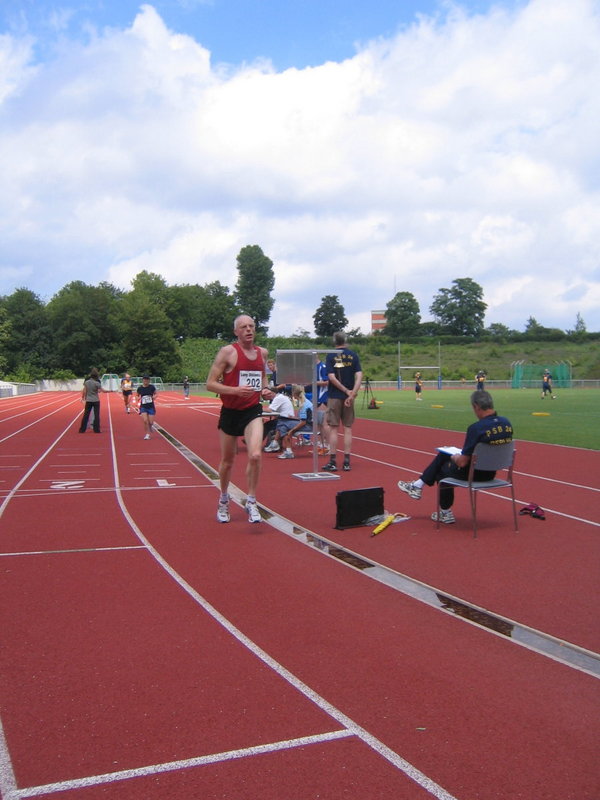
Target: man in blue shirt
column 322, row 382
column 490, row 428
column 345, row 376
column 547, row 385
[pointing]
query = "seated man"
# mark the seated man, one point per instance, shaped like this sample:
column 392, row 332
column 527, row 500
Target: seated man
column 489, row 428
column 282, row 405
column 290, row 427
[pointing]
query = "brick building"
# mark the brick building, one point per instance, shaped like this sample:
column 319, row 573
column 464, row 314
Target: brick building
column 378, row 321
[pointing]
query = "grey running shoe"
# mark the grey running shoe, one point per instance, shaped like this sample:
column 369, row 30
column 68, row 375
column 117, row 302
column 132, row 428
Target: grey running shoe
column 446, row 516
column 286, row 455
column 253, row 512
column 223, row 512
column 411, row 490
column 272, row 448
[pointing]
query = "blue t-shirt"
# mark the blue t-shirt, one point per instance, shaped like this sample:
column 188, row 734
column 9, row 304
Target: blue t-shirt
column 146, row 395
column 344, row 364
column 321, row 375
column 305, row 408
column 490, row 430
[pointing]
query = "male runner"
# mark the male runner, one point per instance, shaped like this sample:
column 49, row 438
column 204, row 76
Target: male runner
column 238, row 376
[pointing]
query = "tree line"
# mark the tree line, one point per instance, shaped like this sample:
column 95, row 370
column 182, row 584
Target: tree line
column 143, row 330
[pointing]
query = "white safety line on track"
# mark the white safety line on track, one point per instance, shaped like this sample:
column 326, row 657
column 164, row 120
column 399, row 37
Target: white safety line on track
column 171, row 766
column 36, row 421
column 430, row 455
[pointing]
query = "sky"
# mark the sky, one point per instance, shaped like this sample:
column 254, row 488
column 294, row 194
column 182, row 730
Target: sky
column 367, row 148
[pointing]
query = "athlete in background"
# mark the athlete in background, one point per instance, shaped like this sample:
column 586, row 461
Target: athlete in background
column 547, row 385
column 418, row 386
column 126, row 389
column 147, row 410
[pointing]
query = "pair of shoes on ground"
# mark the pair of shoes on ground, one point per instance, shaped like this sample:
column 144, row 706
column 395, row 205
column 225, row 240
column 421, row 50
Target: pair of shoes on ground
column 446, row 516
column 223, row 514
column 272, row 448
column 331, row 466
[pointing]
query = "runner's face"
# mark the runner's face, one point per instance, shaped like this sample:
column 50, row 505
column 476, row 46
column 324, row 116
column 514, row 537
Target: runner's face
column 245, row 329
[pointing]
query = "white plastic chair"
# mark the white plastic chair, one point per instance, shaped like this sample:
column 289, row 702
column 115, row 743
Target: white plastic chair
column 490, row 458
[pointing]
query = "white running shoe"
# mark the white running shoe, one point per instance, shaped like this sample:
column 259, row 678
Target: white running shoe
column 223, row 512
column 253, row 512
column 272, row 448
column 446, row 516
column 411, row 490
column 147, row 436
column 285, row 454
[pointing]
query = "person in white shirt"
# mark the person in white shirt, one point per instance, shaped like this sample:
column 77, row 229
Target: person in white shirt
column 281, row 404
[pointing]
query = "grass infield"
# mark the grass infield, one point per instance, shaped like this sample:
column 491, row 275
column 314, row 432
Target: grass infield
column 573, row 419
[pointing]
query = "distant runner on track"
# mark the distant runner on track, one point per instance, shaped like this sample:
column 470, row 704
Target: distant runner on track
column 238, row 376
column 147, row 395
column 126, row 389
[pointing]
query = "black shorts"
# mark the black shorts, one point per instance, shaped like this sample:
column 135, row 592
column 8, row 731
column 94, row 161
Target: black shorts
column 233, row 422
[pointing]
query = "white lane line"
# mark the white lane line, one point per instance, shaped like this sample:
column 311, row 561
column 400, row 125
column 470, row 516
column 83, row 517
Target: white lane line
column 431, row 455
column 15, row 488
column 35, row 422
column 346, row 722
column 73, row 550
column 110, row 489
column 34, row 408
column 171, row 766
column 8, row 782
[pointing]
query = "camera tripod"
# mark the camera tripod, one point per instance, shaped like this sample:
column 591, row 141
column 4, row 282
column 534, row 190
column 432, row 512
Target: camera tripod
column 369, row 396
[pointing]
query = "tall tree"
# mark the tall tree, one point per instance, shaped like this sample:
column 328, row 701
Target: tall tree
column 219, row 311
column 153, row 286
column 402, row 315
column 205, row 312
column 255, row 283
column 30, row 343
column 147, row 338
column 460, row 310
column 329, row 316
column 83, row 327
column 4, row 338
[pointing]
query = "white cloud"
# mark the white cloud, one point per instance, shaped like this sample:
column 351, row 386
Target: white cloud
column 465, row 146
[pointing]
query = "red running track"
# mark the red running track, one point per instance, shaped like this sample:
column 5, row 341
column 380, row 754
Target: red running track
column 149, row 652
